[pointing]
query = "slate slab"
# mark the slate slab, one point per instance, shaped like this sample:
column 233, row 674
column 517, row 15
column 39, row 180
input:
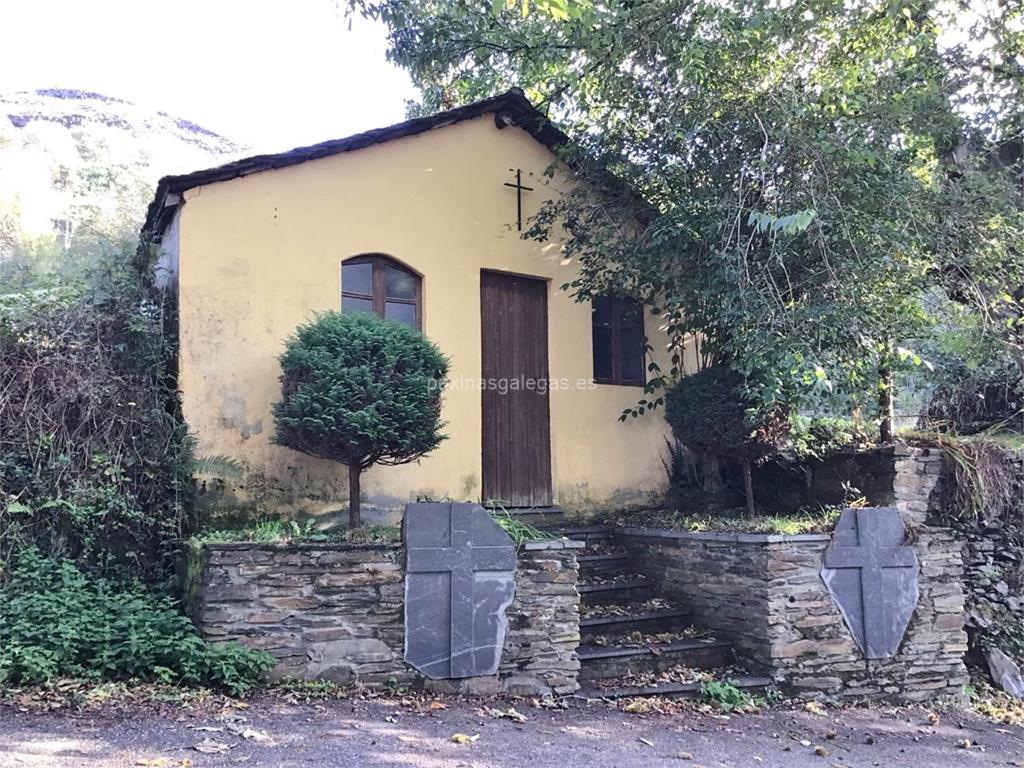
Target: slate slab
column 871, row 575
column 460, row 579
column 1005, row 672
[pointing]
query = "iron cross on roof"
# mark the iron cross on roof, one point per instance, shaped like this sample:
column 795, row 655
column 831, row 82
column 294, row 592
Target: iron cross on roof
column 519, row 188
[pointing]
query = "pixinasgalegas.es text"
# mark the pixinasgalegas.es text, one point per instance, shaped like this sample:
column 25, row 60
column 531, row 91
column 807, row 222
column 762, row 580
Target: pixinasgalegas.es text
column 505, row 384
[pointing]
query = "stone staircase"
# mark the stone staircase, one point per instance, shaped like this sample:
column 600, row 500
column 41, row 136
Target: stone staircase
column 635, row 642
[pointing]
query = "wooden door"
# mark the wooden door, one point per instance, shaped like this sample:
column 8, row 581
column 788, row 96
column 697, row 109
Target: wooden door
column 516, row 422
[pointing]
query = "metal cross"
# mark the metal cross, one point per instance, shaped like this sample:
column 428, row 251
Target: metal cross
column 519, row 188
column 461, row 560
column 871, row 561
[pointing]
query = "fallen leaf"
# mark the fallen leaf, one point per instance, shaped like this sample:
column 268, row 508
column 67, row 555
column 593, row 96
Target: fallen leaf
column 638, row 707
column 436, row 705
column 461, row 738
column 209, row 746
column 253, row 735
column 685, row 756
column 814, row 708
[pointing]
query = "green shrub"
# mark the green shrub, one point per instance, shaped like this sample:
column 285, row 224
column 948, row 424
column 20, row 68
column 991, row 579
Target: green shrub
column 818, row 436
column 55, row 621
column 710, row 413
column 361, row 391
column 725, row 695
column 95, row 464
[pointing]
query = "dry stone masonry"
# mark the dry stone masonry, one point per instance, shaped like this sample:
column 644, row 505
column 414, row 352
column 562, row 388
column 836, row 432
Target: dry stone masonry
column 764, row 593
column 335, row 612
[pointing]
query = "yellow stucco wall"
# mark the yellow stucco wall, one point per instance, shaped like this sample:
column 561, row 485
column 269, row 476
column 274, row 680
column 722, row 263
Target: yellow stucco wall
column 258, row 255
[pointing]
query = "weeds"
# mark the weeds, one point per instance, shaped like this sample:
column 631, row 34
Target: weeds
column 517, row 530
column 725, row 695
column 271, row 530
column 810, row 520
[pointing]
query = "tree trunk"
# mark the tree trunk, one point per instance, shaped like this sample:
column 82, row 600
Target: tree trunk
column 354, row 519
column 886, row 411
column 748, row 488
column 712, row 474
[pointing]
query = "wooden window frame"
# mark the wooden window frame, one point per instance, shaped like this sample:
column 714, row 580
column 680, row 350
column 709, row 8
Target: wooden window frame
column 617, row 378
column 378, row 262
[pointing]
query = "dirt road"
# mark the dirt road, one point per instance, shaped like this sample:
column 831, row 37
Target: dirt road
column 274, row 732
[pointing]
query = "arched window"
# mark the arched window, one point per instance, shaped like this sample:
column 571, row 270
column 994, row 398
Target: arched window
column 379, row 284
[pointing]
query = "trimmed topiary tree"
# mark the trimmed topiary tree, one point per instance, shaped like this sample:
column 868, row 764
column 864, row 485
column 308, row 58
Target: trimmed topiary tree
column 361, row 391
column 710, row 413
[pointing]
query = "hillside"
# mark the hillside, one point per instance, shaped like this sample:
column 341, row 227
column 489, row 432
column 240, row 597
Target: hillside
column 74, row 163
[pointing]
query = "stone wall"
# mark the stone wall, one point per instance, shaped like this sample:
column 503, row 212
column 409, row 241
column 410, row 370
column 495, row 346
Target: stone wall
column 336, row 612
column 544, row 622
column 765, row 595
column 993, row 550
column 332, row 612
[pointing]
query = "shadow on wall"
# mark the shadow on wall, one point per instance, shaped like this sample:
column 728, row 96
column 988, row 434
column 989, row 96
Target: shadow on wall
column 253, row 495
column 784, row 484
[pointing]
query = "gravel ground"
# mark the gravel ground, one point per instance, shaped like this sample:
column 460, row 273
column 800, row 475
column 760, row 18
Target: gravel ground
column 412, row 735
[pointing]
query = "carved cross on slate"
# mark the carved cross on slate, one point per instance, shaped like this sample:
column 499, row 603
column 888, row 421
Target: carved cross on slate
column 460, row 570
column 519, row 188
column 872, row 576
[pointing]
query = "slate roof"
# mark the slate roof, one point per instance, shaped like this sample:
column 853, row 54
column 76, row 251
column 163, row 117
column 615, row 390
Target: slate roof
column 511, row 108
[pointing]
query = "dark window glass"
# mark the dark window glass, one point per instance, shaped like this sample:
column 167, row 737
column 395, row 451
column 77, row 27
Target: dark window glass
column 632, row 340
column 380, row 285
column 603, row 310
column 603, row 368
column 618, row 338
column 356, row 304
column 357, row 278
column 399, row 284
column 400, row 311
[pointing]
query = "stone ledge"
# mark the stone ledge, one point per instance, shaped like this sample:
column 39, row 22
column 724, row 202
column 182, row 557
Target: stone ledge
column 729, row 538
column 323, row 546
column 552, row 544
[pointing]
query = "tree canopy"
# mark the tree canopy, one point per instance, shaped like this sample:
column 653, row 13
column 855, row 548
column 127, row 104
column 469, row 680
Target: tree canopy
column 808, row 183
column 361, row 390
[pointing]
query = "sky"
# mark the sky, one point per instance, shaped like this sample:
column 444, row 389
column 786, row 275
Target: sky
column 269, row 74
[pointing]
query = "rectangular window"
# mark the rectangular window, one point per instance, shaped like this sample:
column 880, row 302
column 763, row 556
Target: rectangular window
column 617, row 323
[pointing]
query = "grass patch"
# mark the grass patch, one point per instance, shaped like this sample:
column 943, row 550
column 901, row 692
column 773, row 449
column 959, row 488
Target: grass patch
column 516, row 529
column 815, row 520
column 277, row 531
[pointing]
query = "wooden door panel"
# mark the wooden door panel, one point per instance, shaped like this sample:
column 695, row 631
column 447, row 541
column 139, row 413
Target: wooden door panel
column 516, row 412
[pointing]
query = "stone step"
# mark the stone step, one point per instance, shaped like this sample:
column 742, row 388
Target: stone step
column 584, row 533
column 605, row 563
column 600, row 662
column 618, row 592
column 540, row 517
column 624, row 624
column 748, row 683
